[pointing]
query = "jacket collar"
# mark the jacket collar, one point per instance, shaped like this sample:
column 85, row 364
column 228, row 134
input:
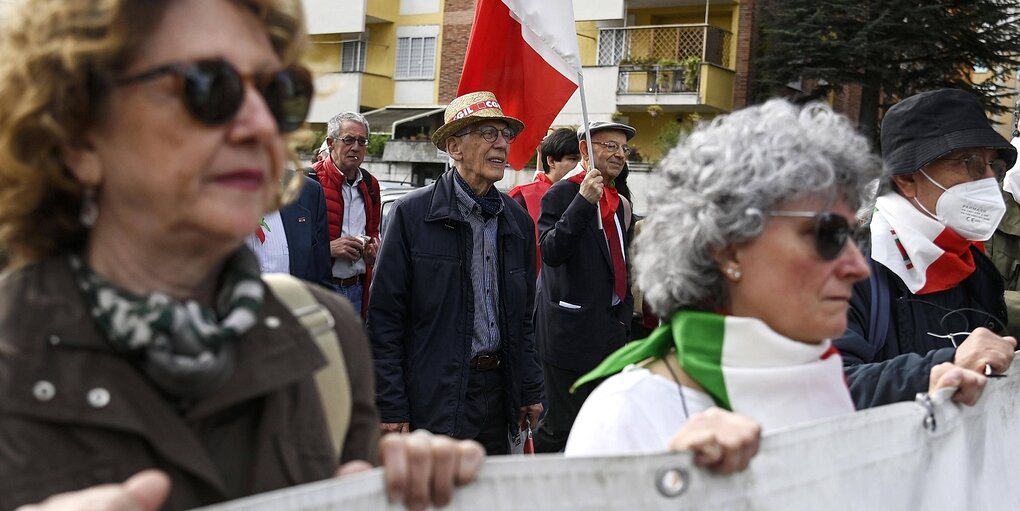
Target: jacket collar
column 61, row 348
column 443, row 206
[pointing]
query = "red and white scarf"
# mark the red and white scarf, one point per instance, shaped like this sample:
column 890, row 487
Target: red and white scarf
column 928, row 256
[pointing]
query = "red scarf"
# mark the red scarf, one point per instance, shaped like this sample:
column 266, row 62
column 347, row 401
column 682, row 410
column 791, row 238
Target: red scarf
column 610, row 197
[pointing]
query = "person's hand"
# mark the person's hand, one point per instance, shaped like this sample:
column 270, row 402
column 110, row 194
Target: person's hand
column 969, row 384
column 395, row 427
column 722, row 441
column 144, row 491
column 347, row 247
column 421, row 470
column 591, row 186
column 532, row 413
column 371, row 250
column 983, row 347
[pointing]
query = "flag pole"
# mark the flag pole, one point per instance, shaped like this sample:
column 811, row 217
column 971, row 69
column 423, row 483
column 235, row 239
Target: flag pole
column 587, row 138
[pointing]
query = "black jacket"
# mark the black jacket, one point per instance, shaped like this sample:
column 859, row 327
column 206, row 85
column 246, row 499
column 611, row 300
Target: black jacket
column 420, row 310
column 899, row 369
column 577, row 270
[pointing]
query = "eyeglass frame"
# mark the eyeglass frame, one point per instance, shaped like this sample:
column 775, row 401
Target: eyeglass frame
column 610, row 145
column 997, row 170
column 497, row 132
column 350, row 140
column 819, row 217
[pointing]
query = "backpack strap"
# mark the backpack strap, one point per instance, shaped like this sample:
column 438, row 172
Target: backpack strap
column 332, row 381
column 878, row 326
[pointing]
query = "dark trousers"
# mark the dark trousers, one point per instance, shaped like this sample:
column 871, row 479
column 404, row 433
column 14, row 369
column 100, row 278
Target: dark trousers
column 563, row 408
column 485, row 412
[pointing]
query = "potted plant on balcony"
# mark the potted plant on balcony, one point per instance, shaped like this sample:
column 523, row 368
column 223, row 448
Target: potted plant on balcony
column 654, row 111
column 691, row 65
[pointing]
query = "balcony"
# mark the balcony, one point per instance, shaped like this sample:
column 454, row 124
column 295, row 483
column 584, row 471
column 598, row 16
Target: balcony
column 680, row 66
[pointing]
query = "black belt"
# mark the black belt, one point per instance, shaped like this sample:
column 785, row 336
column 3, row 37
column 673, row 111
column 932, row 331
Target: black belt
column 485, row 362
column 350, row 281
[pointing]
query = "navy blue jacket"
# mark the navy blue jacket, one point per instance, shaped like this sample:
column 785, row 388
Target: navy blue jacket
column 420, row 313
column 896, row 370
column 577, row 270
column 304, row 222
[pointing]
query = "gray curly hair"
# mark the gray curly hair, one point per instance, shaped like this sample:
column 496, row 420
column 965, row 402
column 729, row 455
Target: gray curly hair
column 722, row 180
column 333, row 126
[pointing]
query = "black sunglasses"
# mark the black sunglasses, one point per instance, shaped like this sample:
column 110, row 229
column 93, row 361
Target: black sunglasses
column 976, row 165
column 213, row 91
column 831, row 231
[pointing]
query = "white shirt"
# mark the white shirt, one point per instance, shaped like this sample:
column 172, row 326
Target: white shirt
column 633, row 412
column 354, row 224
column 274, row 253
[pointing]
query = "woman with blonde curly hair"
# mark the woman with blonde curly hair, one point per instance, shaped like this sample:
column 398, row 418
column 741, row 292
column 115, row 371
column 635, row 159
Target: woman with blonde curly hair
column 140, row 142
column 748, row 256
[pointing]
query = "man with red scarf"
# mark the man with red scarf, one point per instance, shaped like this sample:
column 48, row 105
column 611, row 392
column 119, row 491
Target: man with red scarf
column 933, row 295
column 583, row 305
column 352, row 207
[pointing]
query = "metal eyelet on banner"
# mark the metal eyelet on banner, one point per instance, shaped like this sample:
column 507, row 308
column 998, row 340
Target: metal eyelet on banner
column 671, row 480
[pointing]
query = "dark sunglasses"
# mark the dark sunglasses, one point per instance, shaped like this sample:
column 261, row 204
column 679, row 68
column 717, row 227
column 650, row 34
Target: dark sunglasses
column 213, row 90
column 831, row 231
column 489, row 134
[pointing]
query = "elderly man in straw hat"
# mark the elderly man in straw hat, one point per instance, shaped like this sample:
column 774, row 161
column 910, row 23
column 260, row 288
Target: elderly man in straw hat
column 450, row 312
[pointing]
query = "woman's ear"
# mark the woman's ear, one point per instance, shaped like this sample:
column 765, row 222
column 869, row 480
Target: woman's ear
column 83, row 161
column 729, row 262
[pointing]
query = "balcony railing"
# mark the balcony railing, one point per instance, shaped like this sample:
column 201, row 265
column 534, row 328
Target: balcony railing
column 672, row 43
column 655, row 79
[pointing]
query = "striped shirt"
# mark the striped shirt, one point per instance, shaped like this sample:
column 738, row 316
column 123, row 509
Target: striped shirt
column 484, row 274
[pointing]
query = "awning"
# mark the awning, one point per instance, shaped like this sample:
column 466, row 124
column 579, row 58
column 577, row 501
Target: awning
column 387, row 119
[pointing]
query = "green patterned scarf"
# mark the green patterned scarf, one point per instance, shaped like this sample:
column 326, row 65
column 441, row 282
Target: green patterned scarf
column 185, row 349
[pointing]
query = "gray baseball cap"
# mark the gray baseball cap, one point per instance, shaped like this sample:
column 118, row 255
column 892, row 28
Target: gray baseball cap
column 597, row 126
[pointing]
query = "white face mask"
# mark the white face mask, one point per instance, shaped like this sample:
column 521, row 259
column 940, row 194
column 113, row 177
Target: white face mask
column 972, row 209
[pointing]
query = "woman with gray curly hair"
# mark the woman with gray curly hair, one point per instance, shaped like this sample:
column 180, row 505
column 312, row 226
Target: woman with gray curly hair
column 748, row 256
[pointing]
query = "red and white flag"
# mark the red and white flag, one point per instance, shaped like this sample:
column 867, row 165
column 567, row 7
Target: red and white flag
column 525, row 52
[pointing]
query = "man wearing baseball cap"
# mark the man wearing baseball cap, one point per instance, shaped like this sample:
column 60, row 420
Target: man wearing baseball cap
column 933, row 297
column 583, row 304
column 450, row 314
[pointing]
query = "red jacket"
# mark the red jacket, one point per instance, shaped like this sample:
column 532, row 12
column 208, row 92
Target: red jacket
column 331, row 180
column 531, row 195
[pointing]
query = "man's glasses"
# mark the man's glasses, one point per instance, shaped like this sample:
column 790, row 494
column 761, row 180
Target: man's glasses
column 976, row 165
column 832, row 231
column 612, row 147
column 490, row 133
column 213, row 91
column 349, row 140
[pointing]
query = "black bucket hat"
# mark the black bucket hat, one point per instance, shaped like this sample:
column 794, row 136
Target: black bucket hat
column 927, row 126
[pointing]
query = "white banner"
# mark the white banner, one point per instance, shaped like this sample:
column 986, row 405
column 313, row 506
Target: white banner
column 931, row 455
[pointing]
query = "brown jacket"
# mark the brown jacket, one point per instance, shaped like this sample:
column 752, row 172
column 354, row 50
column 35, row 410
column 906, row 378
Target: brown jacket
column 74, row 414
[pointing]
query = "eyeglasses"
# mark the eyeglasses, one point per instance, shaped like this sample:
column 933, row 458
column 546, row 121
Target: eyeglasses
column 976, row 165
column 213, row 91
column 613, row 147
column 490, row 133
column 832, row 231
column 349, row 140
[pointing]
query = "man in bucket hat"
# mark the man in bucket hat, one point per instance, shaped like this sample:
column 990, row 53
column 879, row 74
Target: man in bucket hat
column 450, row 310
column 584, row 302
column 933, row 297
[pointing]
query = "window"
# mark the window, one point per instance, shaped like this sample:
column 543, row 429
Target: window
column 352, row 56
column 416, row 58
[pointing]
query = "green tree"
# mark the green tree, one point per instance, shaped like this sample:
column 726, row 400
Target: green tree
column 890, row 48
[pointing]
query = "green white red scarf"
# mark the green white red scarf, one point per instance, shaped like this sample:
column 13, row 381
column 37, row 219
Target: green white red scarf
column 745, row 367
column 925, row 254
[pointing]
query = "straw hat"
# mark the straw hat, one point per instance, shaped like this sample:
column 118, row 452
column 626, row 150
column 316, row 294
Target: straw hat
column 469, row 109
